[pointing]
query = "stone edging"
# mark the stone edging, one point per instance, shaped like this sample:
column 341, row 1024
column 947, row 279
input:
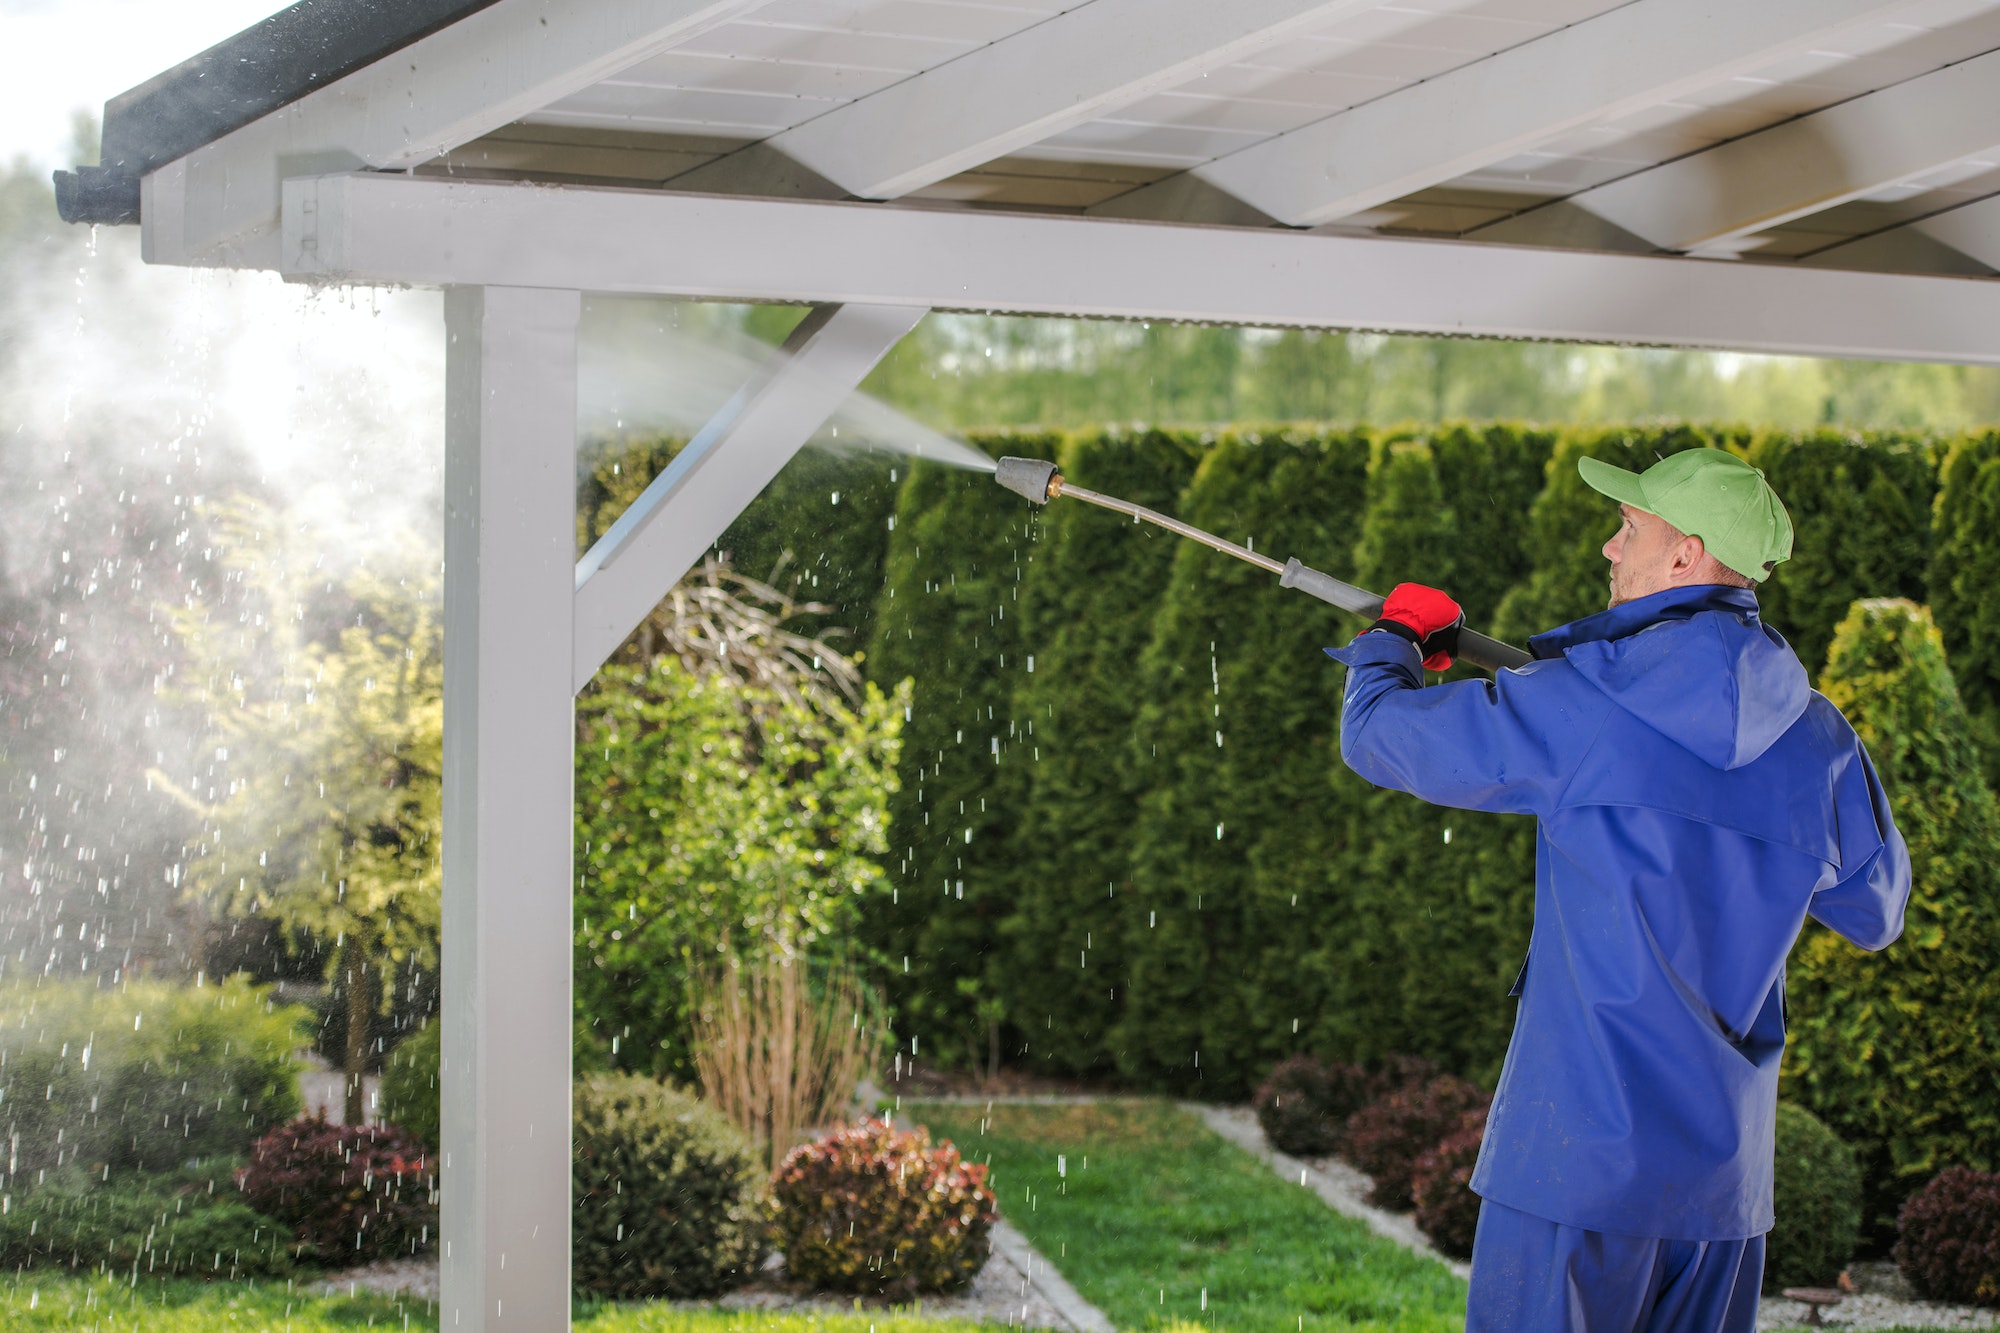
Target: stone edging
column 1046, row 1280
column 1344, row 1189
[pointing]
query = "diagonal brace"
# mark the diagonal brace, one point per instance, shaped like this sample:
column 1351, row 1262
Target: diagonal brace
column 733, row 458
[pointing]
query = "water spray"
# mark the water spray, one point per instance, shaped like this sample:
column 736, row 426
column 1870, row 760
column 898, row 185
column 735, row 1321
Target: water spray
column 1040, row 483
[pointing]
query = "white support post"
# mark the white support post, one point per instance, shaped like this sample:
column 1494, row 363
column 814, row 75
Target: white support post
column 510, row 548
column 735, row 456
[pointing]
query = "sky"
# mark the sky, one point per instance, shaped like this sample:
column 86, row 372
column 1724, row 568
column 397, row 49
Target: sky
column 58, row 57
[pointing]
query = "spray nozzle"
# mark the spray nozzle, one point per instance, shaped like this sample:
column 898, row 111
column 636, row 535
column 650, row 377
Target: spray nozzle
column 1030, row 477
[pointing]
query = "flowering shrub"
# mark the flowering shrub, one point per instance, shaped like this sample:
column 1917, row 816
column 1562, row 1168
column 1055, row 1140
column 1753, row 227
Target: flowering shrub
column 1441, row 1184
column 667, row 1193
column 1949, row 1242
column 881, row 1211
column 355, row 1194
column 1385, row 1138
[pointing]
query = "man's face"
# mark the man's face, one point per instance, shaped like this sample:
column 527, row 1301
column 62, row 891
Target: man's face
column 1642, row 554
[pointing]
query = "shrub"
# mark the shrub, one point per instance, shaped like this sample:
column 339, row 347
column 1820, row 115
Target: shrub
column 1894, row 1049
column 1304, row 1104
column 1818, row 1189
column 354, row 1193
column 1949, row 1246
column 410, row 1084
column 666, row 1193
column 147, row 1076
column 881, row 1211
column 1385, row 1138
column 1441, row 1184
column 176, row 1225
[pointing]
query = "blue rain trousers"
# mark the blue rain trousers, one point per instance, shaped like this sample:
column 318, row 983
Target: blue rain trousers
column 1530, row 1275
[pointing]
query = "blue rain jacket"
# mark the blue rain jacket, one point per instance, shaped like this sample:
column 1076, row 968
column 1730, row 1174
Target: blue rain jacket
column 1696, row 801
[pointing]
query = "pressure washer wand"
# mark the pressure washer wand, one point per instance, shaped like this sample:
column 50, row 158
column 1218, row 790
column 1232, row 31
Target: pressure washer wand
column 1040, row 483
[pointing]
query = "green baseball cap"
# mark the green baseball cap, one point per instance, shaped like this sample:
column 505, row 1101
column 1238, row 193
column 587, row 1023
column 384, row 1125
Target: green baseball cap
column 1709, row 494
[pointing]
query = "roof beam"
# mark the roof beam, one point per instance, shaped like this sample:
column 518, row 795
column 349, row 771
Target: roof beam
column 733, row 458
column 429, row 231
column 1024, row 88
column 1635, row 56
column 219, row 203
column 1973, row 230
column 1722, row 194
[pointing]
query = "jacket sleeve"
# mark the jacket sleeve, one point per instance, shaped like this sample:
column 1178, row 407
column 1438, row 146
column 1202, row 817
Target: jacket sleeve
column 1507, row 745
column 1864, row 905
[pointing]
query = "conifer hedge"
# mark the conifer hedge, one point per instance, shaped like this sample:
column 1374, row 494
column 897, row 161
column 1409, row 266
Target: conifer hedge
column 1965, row 571
column 1087, row 609
column 950, row 619
column 1236, row 754
column 1861, row 527
column 1167, row 860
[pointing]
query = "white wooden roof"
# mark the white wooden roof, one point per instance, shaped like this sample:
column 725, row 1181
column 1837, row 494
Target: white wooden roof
column 1794, row 136
column 1443, row 107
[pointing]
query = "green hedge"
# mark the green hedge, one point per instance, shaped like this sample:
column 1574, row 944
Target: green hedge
column 950, row 619
column 1104, row 924
column 1087, row 616
column 1105, row 927
column 1236, row 753
column 1964, row 572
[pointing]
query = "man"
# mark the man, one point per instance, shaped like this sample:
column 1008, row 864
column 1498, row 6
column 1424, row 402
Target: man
column 1696, row 801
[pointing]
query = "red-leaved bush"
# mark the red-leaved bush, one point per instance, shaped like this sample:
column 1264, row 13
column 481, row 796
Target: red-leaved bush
column 1304, row 1104
column 882, row 1211
column 1949, row 1237
column 1441, row 1184
column 354, row 1193
column 1386, row 1138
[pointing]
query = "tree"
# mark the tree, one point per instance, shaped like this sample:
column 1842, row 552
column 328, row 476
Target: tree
column 321, row 808
column 1900, row 1050
column 1087, row 609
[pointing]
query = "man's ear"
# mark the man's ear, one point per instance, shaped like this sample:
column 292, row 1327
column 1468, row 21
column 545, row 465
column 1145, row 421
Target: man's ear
column 1688, row 555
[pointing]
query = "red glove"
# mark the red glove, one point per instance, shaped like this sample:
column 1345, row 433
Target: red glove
column 1427, row 618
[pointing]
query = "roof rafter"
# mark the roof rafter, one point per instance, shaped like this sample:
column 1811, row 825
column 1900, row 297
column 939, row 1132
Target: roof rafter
column 1973, row 229
column 219, row 203
column 1735, row 189
column 1635, row 56
column 1024, row 88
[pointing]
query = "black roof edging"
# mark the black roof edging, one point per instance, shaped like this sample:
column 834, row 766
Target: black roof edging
column 266, row 66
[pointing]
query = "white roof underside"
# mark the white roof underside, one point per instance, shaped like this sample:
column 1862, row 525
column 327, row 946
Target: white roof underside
column 1919, row 156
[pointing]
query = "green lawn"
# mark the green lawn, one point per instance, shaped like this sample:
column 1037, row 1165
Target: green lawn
column 30, row 1303
column 1155, row 1219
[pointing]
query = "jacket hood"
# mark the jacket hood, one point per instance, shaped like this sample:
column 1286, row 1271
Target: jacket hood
column 1696, row 665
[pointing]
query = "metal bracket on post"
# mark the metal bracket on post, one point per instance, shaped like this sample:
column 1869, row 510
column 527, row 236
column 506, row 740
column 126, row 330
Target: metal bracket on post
column 735, row 456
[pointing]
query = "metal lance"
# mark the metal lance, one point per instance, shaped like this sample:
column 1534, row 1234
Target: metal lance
column 1039, row 482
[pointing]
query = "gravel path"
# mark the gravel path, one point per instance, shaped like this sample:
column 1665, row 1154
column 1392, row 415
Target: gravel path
column 1018, row 1288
